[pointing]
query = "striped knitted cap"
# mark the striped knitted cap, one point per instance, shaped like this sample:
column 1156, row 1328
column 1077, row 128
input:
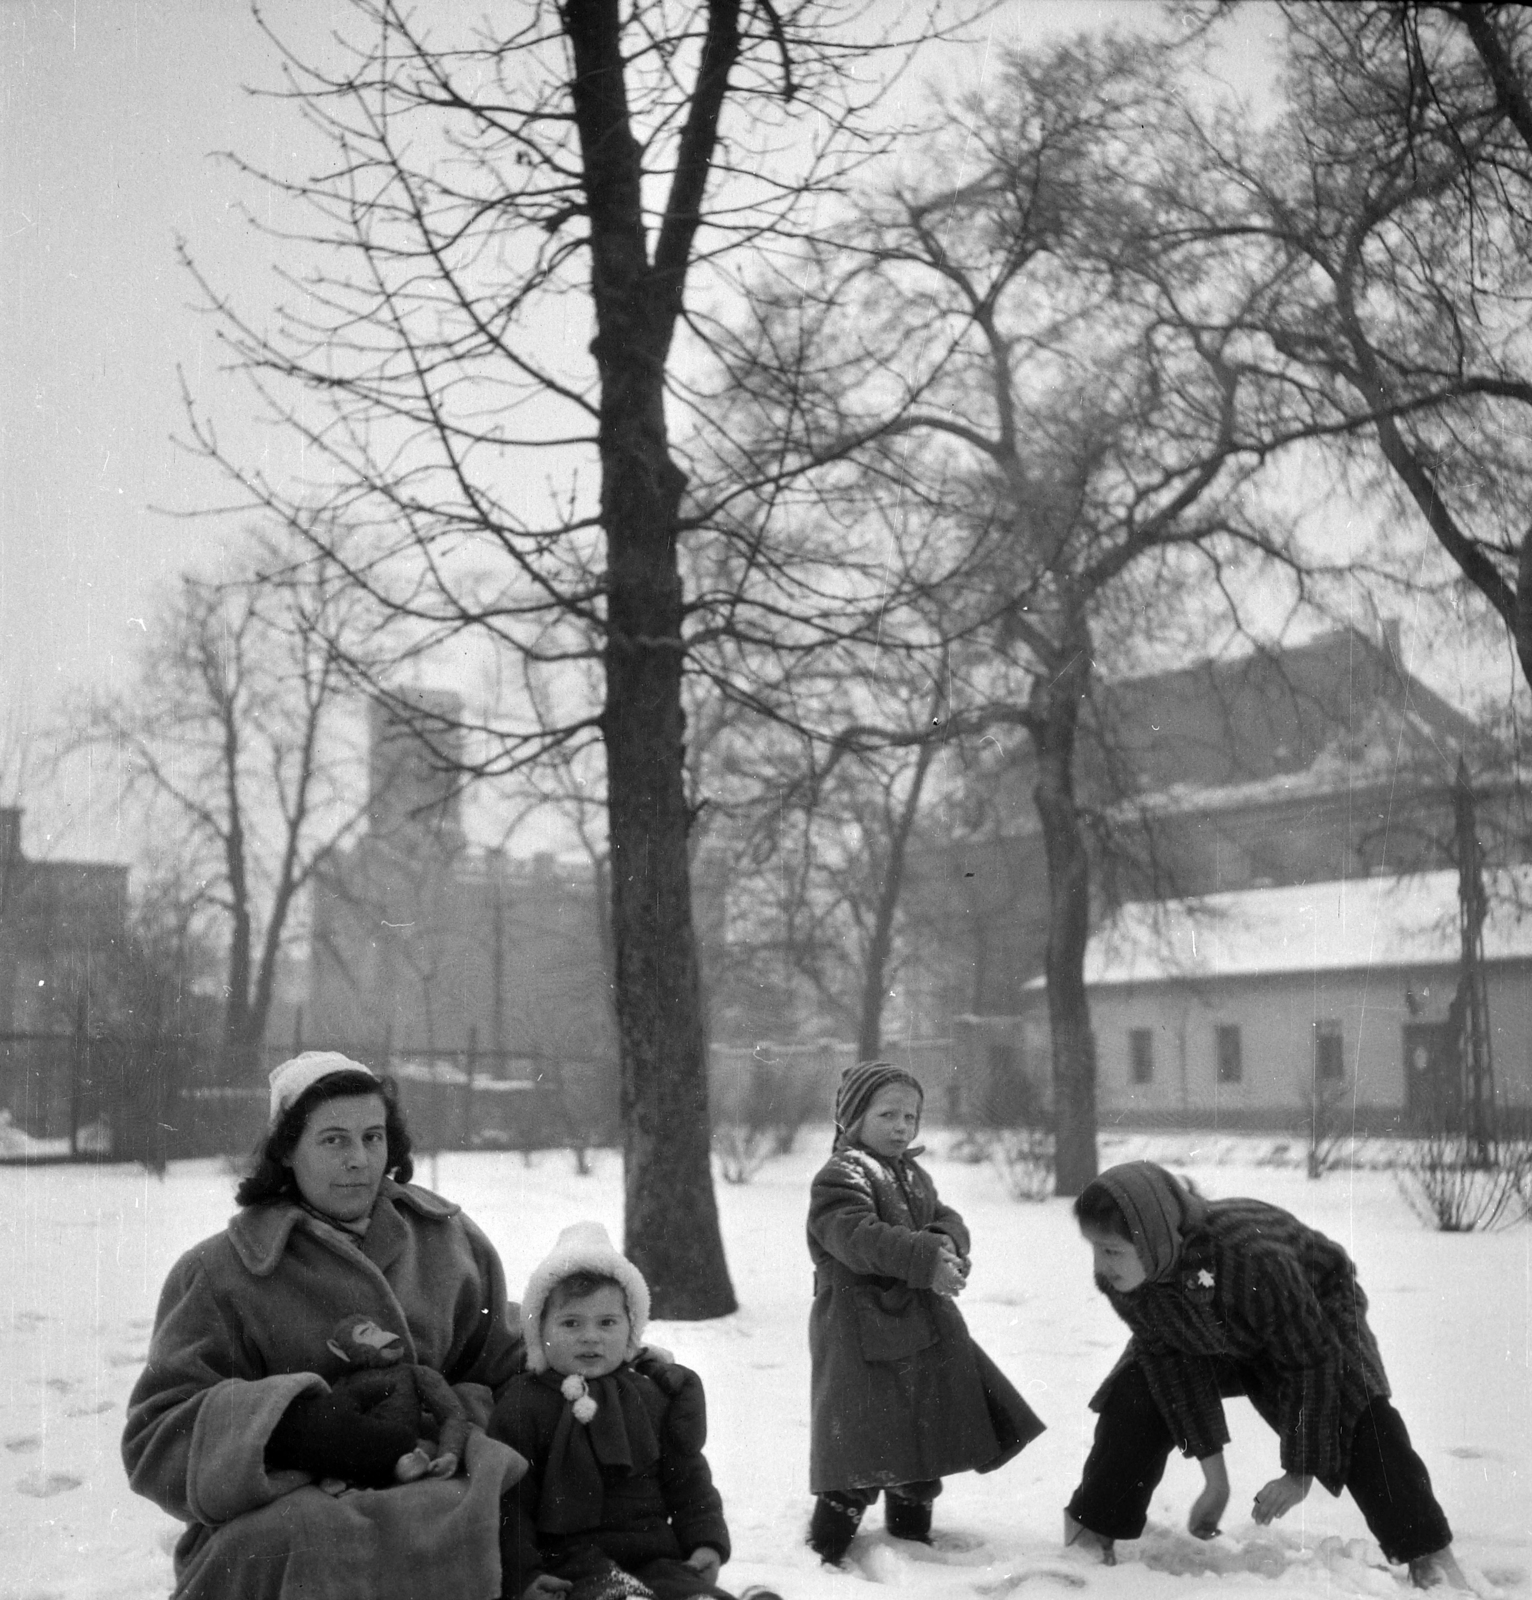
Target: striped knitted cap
column 860, row 1083
column 1158, row 1209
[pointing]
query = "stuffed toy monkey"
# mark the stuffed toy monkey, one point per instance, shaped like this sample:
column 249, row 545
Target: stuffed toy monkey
column 379, row 1383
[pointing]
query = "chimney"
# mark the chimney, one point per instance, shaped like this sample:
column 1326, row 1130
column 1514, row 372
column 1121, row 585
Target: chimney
column 10, row 835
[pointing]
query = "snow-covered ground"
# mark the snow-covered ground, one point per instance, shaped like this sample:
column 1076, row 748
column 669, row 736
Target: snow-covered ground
column 83, row 1251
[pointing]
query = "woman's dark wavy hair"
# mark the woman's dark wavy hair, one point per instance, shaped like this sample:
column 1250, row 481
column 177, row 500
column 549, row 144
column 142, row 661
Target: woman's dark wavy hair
column 270, row 1179
column 1095, row 1208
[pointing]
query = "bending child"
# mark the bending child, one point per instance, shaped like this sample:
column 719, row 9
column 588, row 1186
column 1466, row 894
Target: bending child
column 619, row 1500
column 901, row 1395
column 1236, row 1297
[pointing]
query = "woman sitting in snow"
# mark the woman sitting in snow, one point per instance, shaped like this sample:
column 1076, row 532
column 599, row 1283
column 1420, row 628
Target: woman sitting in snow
column 232, row 1423
column 1236, row 1297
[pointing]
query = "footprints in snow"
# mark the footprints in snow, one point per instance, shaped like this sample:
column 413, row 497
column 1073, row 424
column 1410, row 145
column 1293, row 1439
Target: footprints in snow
column 43, row 1485
column 1049, row 1571
column 890, row 1563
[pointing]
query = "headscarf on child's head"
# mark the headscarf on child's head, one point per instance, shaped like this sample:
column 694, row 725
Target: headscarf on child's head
column 1159, row 1210
column 859, row 1084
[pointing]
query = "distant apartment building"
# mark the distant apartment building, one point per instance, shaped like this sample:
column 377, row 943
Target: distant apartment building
column 1312, row 763
column 1237, row 1009
column 62, row 927
column 1325, row 763
column 430, row 948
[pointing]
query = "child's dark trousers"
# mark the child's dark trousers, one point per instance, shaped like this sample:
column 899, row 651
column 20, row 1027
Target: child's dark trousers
column 1388, row 1481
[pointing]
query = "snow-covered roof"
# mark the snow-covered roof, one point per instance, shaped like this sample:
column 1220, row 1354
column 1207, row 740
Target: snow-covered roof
column 1347, row 925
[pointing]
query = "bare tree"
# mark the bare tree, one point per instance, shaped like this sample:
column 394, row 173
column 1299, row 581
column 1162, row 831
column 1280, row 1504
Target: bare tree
column 813, row 853
column 233, row 734
column 1035, row 377
column 1389, row 209
column 511, row 246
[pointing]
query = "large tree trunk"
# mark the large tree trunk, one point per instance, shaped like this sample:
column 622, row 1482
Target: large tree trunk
column 671, row 1223
column 1055, row 714
column 671, row 1228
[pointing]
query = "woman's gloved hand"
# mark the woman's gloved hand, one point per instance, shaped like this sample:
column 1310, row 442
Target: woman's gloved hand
column 324, row 1433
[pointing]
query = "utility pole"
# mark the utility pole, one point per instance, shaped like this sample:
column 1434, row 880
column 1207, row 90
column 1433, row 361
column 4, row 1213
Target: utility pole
column 1474, row 1050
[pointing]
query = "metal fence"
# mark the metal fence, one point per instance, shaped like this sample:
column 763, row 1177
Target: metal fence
column 96, row 1096
column 88, row 1095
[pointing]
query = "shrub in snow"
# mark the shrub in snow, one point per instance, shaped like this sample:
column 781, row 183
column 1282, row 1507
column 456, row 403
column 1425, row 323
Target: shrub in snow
column 1455, row 1186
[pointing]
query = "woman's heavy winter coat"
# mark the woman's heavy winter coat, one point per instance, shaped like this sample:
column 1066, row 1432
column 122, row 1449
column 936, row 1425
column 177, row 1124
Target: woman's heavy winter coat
column 1260, row 1305
column 899, row 1393
column 633, row 1482
column 241, row 1330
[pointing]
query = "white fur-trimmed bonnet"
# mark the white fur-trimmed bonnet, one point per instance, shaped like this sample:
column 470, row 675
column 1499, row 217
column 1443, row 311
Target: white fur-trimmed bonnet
column 582, row 1247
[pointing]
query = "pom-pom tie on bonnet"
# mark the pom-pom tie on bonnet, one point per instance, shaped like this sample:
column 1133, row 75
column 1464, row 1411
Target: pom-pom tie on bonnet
column 575, row 1389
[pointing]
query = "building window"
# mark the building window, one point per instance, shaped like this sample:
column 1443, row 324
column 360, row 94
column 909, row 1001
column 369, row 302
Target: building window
column 1329, row 1051
column 1231, row 1061
column 1141, row 1054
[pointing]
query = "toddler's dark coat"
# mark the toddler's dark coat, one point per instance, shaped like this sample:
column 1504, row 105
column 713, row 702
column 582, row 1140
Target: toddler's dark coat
column 1263, row 1305
column 633, row 1483
column 899, row 1391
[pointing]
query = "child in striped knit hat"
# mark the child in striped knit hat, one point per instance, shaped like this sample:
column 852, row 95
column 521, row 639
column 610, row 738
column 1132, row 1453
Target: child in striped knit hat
column 900, row 1394
column 1237, row 1297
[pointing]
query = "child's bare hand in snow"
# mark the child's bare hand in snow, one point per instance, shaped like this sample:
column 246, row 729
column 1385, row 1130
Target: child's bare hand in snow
column 1279, row 1496
column 1208, row 1507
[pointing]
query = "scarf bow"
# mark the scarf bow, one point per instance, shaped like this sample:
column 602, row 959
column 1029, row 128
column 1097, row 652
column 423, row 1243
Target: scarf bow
column 618, row 1439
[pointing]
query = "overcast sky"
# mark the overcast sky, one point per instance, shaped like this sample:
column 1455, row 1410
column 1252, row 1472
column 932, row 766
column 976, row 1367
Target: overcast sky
column 109, row 112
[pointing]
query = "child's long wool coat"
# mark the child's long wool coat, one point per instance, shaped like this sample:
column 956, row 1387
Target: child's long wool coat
column 900, row 1393
column 1265, row 1306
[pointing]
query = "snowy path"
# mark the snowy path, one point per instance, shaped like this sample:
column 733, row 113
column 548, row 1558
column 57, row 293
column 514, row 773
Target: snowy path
column 83, row 1252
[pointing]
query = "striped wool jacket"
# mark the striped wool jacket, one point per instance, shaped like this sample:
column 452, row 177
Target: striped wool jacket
column 1264, row 1306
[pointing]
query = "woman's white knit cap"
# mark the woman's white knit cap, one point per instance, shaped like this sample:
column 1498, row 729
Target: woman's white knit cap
column 582, row 1247
column 301, row 1072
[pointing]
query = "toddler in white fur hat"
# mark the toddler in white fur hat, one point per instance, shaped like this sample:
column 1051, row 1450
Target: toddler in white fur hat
column 619, row 1499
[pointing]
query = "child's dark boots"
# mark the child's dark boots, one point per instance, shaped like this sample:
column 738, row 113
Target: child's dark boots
column 907, row 1519
column 832, row 1528
column 1092, row 1544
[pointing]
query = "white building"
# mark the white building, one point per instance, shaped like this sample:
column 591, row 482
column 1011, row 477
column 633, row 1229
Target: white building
column 1234, row 1009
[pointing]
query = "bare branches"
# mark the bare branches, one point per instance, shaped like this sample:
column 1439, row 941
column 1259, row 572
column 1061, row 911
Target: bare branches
column 233, row 735
column 1391, row 210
